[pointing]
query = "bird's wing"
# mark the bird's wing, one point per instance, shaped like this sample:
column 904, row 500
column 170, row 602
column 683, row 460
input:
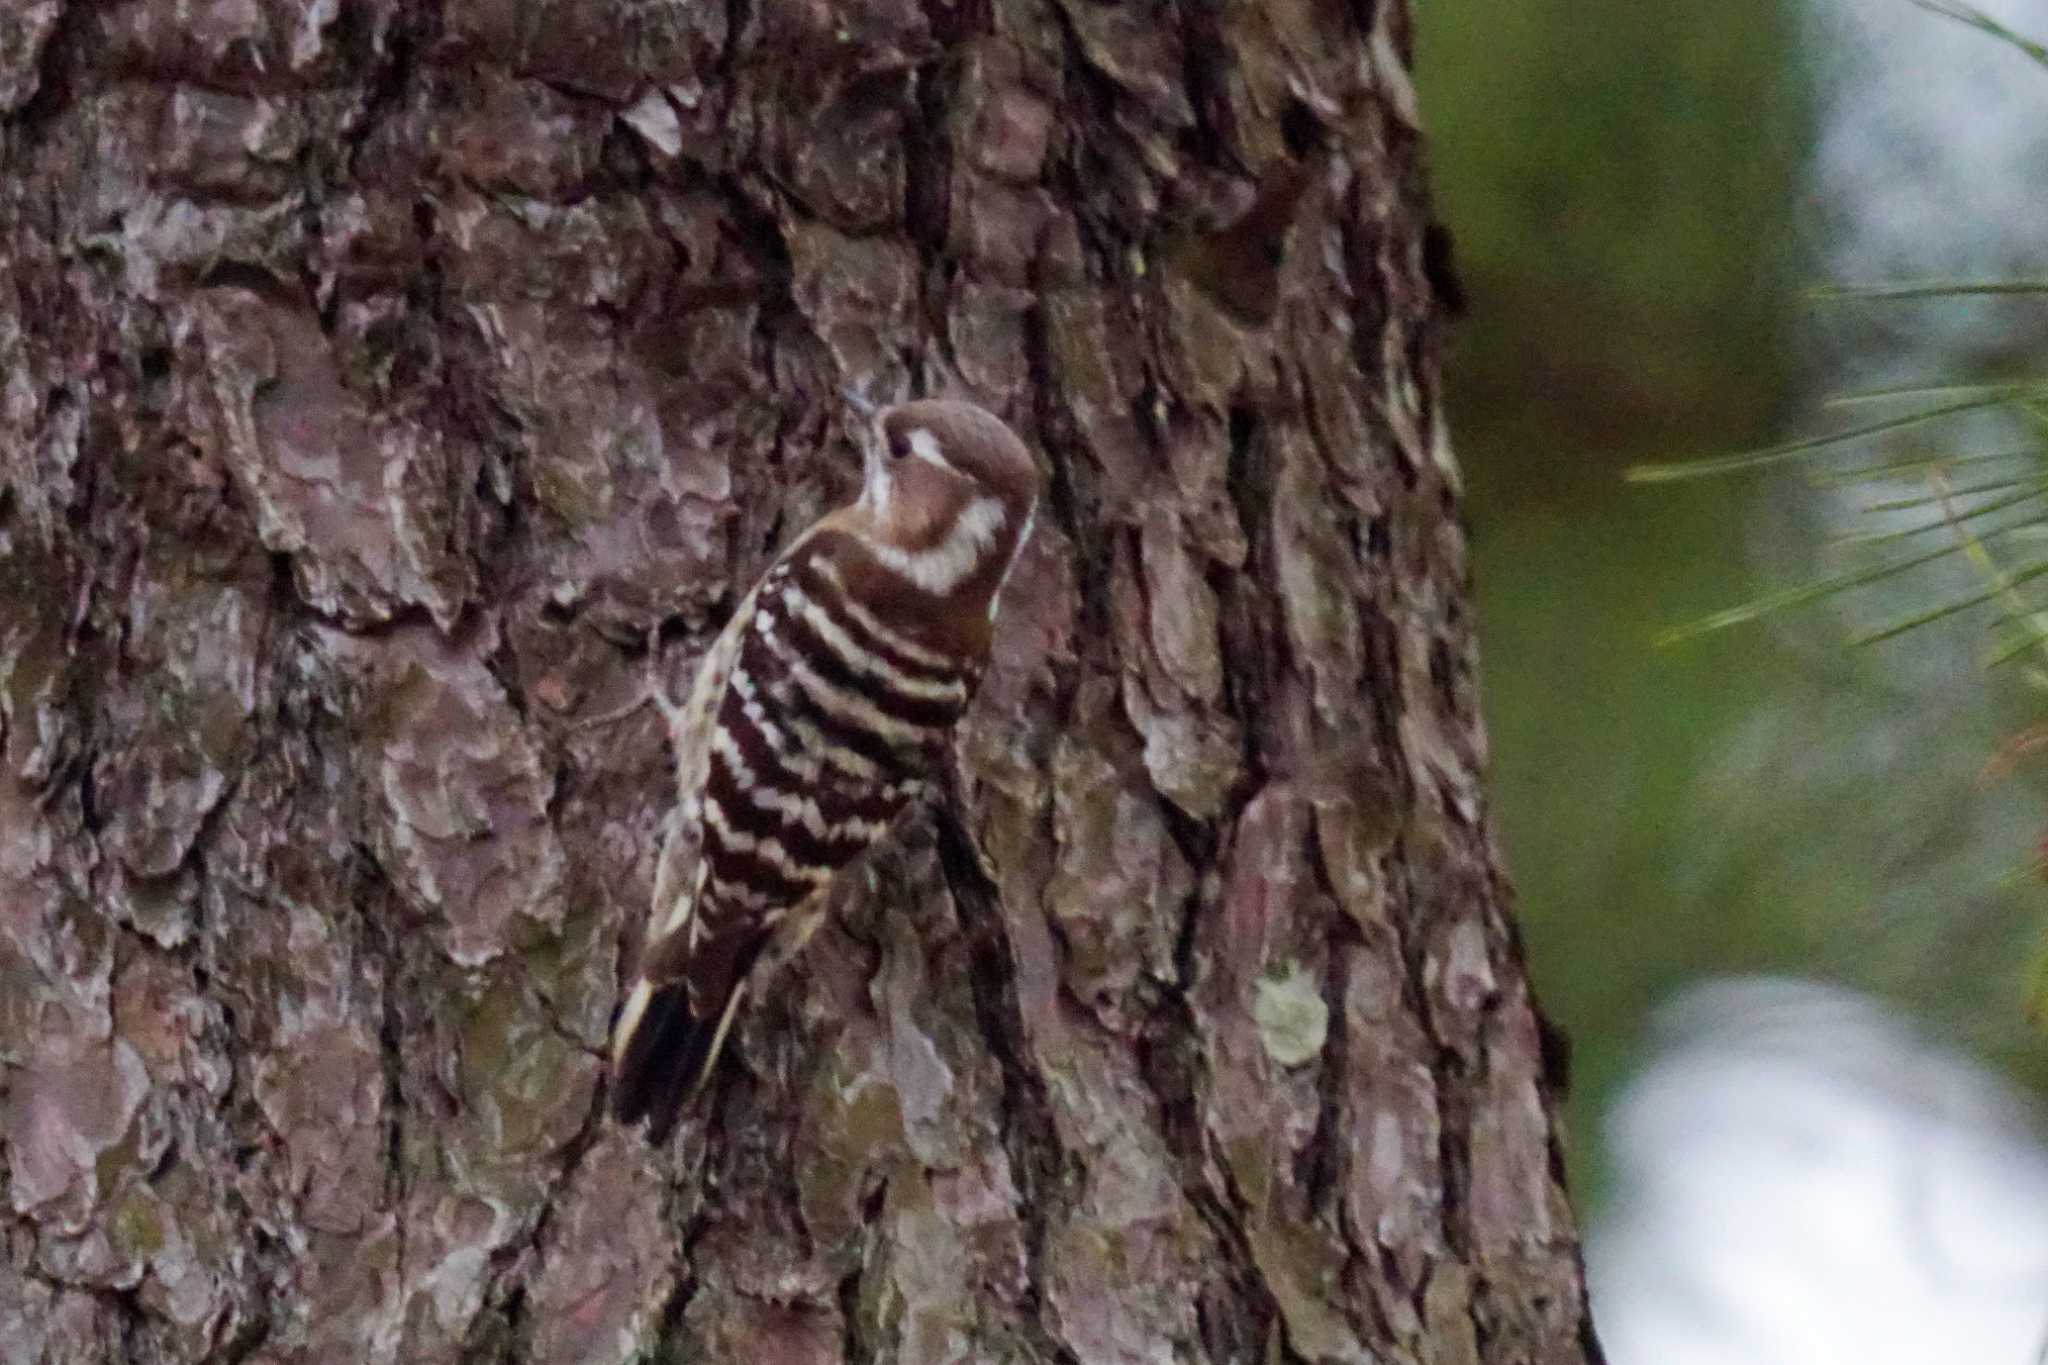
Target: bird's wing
column 693, row 964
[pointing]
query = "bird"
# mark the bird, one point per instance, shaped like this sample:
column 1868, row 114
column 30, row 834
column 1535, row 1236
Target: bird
column 824, row 707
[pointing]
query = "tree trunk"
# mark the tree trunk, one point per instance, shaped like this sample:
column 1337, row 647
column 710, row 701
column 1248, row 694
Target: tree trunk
column 376, row 376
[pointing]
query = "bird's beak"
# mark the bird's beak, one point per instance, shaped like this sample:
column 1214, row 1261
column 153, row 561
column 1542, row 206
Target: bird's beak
column 858, row 401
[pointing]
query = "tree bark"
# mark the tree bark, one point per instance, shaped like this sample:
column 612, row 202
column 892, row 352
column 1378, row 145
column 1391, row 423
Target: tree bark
column 376, row 376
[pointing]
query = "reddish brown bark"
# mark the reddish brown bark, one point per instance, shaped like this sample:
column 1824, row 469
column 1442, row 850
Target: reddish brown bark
column 375, row 375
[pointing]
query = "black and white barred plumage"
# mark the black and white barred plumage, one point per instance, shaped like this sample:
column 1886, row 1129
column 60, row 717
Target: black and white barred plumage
column 819, row 713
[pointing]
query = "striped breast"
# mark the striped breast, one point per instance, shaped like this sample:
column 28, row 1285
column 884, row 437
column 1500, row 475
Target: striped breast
column 831, row 721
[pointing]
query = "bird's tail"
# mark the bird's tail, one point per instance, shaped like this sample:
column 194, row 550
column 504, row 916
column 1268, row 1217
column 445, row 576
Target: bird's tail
column 663, row 1051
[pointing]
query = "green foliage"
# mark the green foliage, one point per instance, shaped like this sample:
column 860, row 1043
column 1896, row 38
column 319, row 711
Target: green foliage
column 2010, row 487
column 1609, row 169
column 1997, row 522
column 1619, row 178
column 1614, row 173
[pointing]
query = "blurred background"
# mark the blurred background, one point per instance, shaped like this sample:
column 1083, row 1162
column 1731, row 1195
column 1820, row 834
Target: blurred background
column 1781, row 890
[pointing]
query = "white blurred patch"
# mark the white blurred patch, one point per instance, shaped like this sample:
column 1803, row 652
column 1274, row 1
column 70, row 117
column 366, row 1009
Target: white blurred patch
column 1803, row 1180
column 1932, row 136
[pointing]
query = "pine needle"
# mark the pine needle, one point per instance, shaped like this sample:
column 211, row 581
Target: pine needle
column 2015, row 391
column 2036, row 487
column 1984, row 23
column 1757, row 459
column 2004, row 585
column 2016, row 645
column 1993, row 593
column 1797, row 596
column 1919, row 464
column 1925, row 289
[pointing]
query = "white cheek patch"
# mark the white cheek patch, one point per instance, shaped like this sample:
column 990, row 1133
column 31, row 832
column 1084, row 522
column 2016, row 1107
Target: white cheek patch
column 925, row 446
column 946, row 565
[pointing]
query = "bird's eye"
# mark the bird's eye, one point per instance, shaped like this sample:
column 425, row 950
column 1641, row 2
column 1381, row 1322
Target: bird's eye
column 899, row 445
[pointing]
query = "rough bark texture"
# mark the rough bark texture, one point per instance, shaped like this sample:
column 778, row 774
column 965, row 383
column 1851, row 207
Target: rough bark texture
column 375, row 375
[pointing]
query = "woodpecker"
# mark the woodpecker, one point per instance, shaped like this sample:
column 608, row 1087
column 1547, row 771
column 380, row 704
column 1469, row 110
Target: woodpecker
column 825, row 706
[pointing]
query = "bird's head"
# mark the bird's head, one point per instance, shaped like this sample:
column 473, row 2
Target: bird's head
column 949, row 485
